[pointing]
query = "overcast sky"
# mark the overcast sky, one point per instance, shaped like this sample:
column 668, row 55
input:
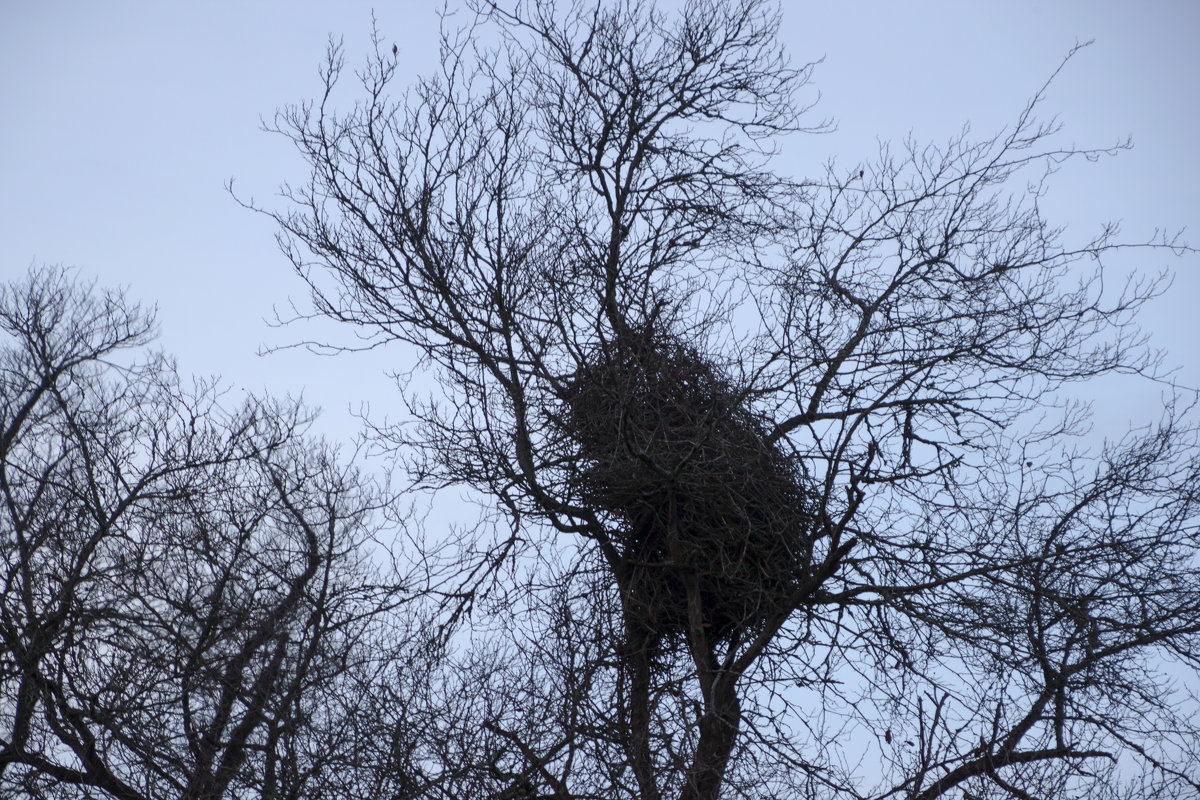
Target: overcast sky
column 121, row 123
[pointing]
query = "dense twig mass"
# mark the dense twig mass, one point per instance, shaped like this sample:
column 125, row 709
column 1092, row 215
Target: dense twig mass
column 694, row 487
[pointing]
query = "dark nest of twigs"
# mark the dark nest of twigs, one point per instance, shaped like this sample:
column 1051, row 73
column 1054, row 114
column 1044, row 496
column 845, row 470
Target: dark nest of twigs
column 669, row 448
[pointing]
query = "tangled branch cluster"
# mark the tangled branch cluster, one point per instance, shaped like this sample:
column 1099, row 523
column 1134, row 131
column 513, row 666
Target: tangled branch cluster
column 669, row 448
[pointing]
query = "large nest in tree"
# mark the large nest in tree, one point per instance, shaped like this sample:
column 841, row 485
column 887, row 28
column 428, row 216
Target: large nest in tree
column 669, row 448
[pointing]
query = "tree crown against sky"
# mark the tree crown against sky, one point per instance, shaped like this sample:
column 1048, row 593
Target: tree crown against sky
column 189, row 604
column 775, row 471
column 773, row 460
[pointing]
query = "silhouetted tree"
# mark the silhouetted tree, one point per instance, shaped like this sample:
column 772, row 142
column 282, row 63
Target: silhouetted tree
column 782, row 471
column 189, row 609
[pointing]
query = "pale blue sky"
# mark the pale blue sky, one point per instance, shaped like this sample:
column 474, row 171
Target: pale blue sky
column 120, row 123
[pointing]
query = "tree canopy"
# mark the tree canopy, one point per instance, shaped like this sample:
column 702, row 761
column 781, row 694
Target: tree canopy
column 783, row 490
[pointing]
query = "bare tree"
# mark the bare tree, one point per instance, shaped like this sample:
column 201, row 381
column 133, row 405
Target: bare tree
column 189, row 609
column 783, row 471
